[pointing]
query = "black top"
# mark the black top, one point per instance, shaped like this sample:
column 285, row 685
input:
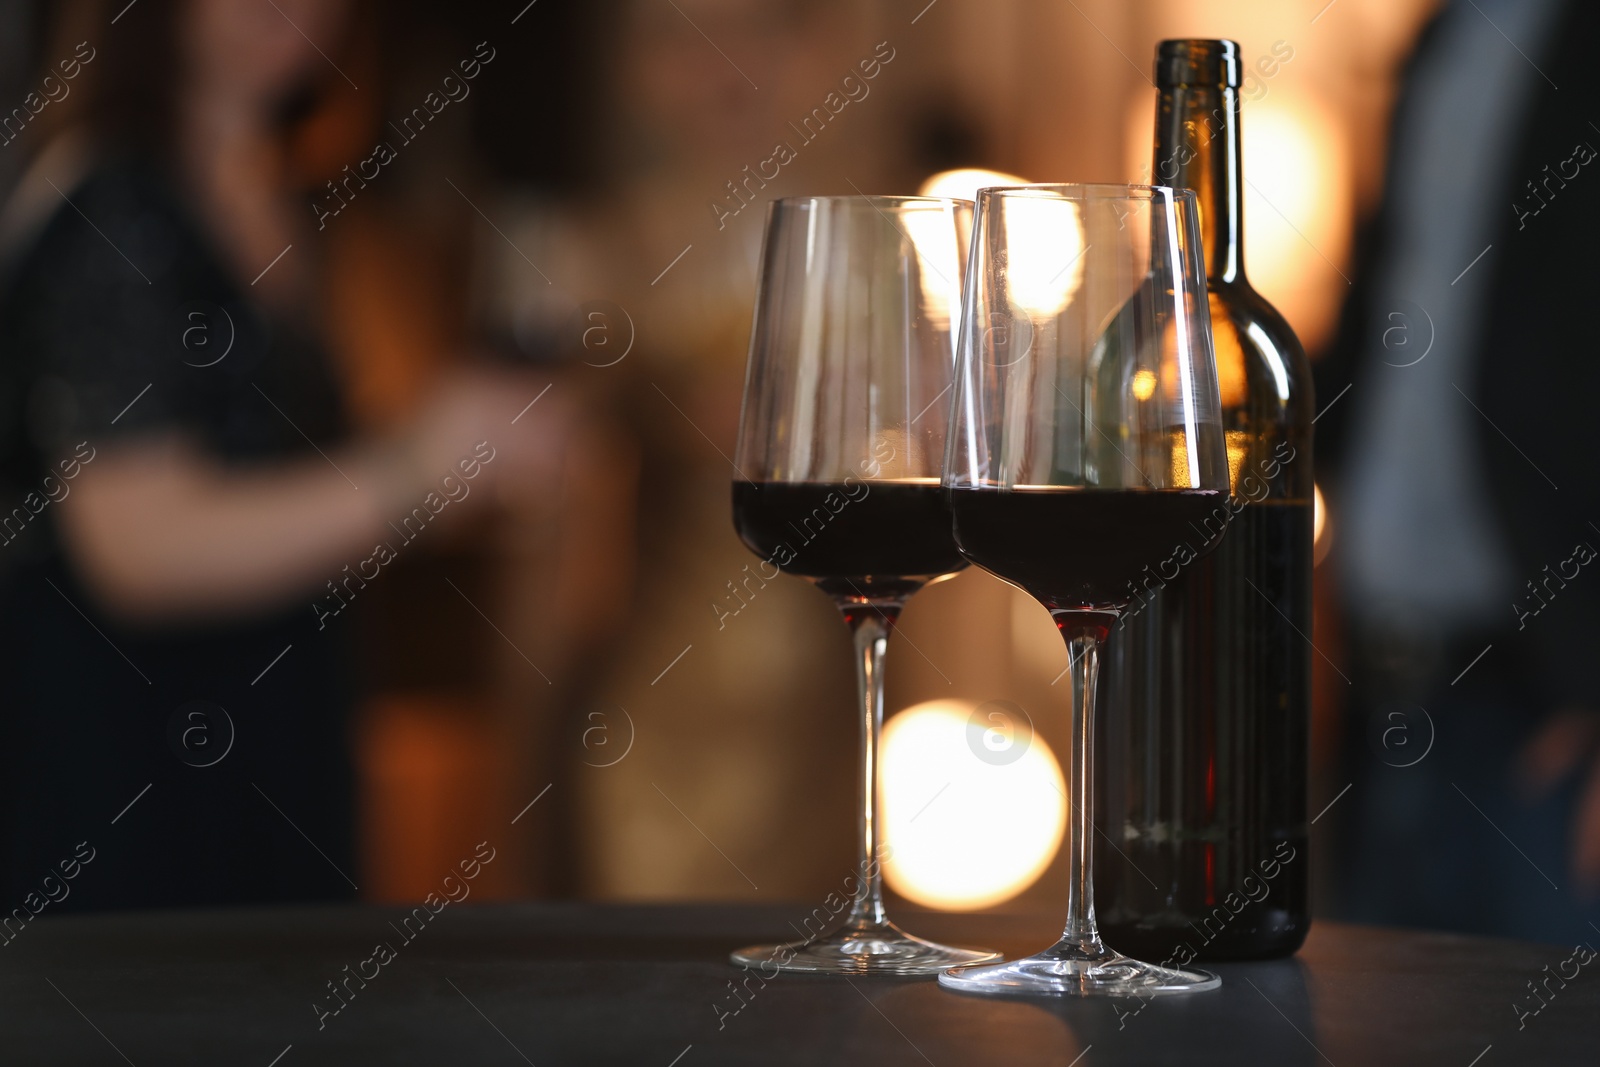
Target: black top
column 1534, row 375
column 120, row 320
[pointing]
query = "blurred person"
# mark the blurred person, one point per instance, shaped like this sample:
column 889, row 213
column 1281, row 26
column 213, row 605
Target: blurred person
column 186, row 514
column 1459, row 475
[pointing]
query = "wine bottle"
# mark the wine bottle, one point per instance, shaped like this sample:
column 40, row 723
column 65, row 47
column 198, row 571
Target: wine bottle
column 1202, row 808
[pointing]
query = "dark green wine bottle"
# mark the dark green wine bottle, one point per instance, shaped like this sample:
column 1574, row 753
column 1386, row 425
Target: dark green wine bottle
column 1203, row 756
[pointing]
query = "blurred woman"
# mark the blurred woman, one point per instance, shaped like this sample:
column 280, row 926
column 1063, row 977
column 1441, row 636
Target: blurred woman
column 185, row 517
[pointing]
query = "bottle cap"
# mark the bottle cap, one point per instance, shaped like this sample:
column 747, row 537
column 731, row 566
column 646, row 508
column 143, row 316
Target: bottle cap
column 1194, row 61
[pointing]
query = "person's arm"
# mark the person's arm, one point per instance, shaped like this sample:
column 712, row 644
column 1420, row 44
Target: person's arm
column 159, row 531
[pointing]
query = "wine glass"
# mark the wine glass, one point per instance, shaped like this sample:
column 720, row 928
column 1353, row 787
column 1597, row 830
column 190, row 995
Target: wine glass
column 846, row 400
column 1086, row 444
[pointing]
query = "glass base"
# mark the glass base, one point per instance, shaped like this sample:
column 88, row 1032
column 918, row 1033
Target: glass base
column 869, row 949
column 1070, row 970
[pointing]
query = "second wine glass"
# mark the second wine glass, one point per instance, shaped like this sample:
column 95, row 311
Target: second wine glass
column 846, row 400
column 1085, row 453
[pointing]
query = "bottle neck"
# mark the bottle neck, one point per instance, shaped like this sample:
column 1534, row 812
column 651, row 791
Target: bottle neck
column 1197, row 147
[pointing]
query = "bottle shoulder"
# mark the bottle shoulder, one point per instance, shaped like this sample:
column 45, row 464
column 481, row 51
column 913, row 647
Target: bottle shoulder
column 1246, row 306
column 1254, row 336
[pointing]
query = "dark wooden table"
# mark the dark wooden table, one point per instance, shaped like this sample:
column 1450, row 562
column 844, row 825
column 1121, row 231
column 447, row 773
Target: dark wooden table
column 588, row 984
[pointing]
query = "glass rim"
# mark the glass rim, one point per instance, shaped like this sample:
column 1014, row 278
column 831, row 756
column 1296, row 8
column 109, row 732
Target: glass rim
column 876, row 200
column 1089, row 191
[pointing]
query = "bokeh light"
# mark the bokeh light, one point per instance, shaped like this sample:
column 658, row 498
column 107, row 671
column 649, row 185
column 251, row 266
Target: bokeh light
column 937, row 239
column 1297, row 196
column 964, row 831
column 1322, row 529
column 964, row 183
column 1045, row 242
column 1045, row 237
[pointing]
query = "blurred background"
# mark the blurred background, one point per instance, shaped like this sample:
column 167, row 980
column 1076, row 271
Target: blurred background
column 591, row 212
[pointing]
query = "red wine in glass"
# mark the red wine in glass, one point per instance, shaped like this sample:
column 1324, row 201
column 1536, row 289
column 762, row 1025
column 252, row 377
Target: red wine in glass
column 1076, row 549
column 868, row 539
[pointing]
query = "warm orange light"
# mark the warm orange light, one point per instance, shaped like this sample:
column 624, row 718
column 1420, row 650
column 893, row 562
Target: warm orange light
column 1322, row 530
column 1232, row 382
column 1296, row 196
column 932, row 229
column 963, row 184
column 973, row 809
column 1044, row 237
column 1044, row 249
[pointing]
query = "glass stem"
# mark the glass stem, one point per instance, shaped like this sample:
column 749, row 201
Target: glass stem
column 870, row 625
column 1083, row 648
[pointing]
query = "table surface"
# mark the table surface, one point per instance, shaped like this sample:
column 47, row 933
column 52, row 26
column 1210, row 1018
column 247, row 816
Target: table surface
column 592, row 984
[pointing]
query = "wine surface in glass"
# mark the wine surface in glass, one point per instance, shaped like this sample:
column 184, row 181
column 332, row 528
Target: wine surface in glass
column 869, row 539
column 1080, row 549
